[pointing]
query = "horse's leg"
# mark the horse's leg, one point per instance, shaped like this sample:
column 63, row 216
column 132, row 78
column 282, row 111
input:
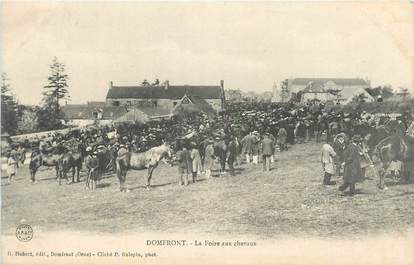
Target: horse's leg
column 78, row 169
column 404, row 173
column 150, row 170
column 120, row 174
column 88, row 176
column 124, row 180
column 33, row 174
column 60, row 177
column 57, row 171
column 382, row 173
column 73, row 174
column 65, row 174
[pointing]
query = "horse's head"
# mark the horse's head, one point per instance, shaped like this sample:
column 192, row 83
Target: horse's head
column 167, row 153
column 375, row 135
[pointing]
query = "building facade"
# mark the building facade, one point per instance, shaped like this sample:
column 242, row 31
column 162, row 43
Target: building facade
column 341, row 90
column 164, row 97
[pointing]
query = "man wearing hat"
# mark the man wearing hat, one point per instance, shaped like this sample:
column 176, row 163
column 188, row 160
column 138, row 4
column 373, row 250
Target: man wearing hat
column 209, row 157
column 267, row 151
column 281, row 137
column 232, row 154
column 255, row 147
column 220, row 151
column 91, row 165
column 184, row 164
column 339, row 146
column 352, row 171
column 246, row 143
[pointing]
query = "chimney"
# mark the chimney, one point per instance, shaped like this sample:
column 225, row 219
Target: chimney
column 368, row 82
column 166, row 84
column 111, row 84
column 223, row 95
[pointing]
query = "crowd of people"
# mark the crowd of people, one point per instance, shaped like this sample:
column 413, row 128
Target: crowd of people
column 245, row 132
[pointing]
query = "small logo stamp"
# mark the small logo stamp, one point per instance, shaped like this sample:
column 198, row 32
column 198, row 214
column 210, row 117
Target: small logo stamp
column 24, row 232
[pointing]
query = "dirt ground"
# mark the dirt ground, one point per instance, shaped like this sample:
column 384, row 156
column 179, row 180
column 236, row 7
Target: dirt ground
column 288, row 200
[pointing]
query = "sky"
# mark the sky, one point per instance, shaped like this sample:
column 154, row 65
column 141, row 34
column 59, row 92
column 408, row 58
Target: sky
column 248, row 45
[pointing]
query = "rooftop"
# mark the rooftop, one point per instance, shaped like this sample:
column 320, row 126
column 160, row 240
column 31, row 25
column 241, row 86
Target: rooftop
column 170, row 92
column 338, row 81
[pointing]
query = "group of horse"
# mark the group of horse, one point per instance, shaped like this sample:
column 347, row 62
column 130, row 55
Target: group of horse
column 63, row 163
column 385, row 142
column 388, row 147
column 102, row 159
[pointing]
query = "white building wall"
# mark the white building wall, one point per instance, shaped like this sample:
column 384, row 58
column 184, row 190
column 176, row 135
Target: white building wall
column 318, row 96
column 166, row 104
column 215, row 103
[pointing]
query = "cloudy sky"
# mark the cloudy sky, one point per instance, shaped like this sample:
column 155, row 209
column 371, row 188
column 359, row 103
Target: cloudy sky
column 249, row 45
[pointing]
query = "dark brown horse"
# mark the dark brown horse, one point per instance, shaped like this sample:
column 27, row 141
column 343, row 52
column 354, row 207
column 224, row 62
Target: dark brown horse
column 71, row 160
column 65, row 163
column 322, row 126
column 396, row 147
column 37, row 159
column 93, row 171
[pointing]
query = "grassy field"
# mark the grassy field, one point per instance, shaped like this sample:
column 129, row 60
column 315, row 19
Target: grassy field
column 288, row 200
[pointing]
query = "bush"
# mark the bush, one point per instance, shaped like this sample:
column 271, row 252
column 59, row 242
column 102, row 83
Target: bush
column 391, row 106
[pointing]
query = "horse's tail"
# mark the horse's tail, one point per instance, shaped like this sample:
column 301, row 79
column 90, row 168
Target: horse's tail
column 65, row 163
column 121, row 164
column 35, row 163
column 32, row 165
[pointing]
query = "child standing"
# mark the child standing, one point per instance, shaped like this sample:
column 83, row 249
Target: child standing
column 11, row 166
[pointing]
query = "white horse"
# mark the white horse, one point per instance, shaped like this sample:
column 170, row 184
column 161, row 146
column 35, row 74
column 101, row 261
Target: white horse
column 138, row 161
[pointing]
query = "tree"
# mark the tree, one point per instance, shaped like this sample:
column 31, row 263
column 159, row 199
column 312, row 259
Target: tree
column 156, row 82
column 145, row 83
column 28, row 120
column 359, row 98
column 404, row 92
column 284, row 91
column 8, row 107
column 49, row 115
column 380, row 92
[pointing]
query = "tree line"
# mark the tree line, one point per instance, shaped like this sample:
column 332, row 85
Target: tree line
column 17, row 118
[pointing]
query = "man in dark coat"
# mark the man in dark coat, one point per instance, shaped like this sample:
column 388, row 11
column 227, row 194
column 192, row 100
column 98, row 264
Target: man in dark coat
column 339, row 147
column 184, row 165
column 232, row 154
column 247, row 143
column 352, row 172
column 267, row 151
column 220, row 151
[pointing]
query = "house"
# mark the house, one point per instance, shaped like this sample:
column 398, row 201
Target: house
column 134, row 115
column 297, row 84
column 380, row 94
column 316, row 91
column 165, row 96
column 341, row 90
column 195, row 103
column 87, row 114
